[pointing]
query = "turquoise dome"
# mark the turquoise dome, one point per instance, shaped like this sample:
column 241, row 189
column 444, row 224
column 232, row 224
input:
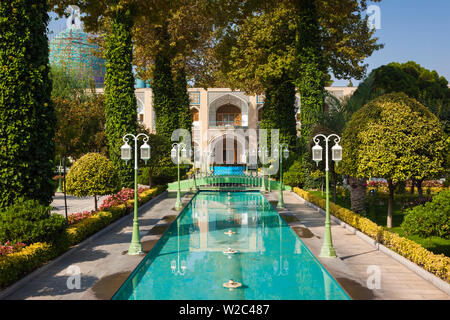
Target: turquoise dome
column 71, row 49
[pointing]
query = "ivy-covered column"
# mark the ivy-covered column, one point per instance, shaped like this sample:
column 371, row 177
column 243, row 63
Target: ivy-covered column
column 27, row 118
column 182, row 99
column 120, row 101
column 311, row 75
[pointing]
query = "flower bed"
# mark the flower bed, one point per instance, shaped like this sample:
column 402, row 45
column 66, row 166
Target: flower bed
column 439, row 265
column 16, row 265
column 9, row 248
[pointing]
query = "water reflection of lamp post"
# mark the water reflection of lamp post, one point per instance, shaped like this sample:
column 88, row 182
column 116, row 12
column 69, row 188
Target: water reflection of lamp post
column 135, row 246
column 175, row 265
column 327, row 250
column 281, row 267
column 263, row 153
column 276, row 154
column 178, row 148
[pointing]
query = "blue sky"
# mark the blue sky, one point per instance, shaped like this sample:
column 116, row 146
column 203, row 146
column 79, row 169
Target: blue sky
column 417, row 30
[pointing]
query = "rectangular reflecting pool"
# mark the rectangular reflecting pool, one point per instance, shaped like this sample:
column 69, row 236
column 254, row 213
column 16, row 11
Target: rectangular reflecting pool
column 223, row 236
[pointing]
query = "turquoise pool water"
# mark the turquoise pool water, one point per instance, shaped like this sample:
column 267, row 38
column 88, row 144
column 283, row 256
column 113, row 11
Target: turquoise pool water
column 189, row 263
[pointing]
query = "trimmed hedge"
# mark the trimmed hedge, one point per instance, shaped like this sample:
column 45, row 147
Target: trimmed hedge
column 16, row 265
column 439, row 265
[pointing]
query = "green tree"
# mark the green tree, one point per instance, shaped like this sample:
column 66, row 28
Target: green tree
column 27, row 118
column 120, row 101
column 182, row 101
column 67, row 84
column 80, row 126
column 92, row 175
column 417, row 82
column 396, row 138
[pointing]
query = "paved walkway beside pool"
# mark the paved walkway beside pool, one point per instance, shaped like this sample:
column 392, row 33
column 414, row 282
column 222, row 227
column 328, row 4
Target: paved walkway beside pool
column 357, row 259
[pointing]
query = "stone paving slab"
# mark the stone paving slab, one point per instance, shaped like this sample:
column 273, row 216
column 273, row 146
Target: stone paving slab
column 355, row 256
column 104, row 263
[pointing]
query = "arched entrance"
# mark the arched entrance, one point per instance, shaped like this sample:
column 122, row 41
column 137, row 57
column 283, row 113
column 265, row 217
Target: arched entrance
column 227, row 149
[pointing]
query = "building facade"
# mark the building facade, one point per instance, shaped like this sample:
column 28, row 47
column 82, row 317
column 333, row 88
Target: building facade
column 222, row 120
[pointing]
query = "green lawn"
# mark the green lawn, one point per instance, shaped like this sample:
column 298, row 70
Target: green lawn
column 377, row 212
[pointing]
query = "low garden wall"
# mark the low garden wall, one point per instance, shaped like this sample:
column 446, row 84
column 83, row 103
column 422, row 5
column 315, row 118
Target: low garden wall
column 438, row 265
column 16, row 265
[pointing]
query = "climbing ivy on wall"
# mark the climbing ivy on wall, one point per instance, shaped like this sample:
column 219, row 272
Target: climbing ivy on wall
column 27, row 118
column 120, row 101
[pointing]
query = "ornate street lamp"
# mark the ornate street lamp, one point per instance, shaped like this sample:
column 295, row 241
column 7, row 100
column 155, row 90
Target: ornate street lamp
column 135, row 246
column 327, row 250
column 276, row 154
column 178, row 152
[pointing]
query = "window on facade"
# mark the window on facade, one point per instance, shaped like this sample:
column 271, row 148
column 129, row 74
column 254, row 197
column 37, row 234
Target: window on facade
column 228, row 115
column 259, row 114
column 195, row 114
column 141, row 117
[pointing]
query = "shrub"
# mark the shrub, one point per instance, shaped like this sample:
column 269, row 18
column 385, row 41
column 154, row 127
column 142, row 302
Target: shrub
column 15, row 265
column 162, row 175
column 92, row 175
column 294, row 176
column 28, row 221
column 9, row 248
column 430, row 219
column 122, row 197
column 75, row 217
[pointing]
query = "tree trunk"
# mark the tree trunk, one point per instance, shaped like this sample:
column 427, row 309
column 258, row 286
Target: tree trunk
column 357, row 194
column 334, row 186
column 412, row 186
column 419, row 187
column 390, row 203
column 150, row 180
column 64, row 182
column 95, row 200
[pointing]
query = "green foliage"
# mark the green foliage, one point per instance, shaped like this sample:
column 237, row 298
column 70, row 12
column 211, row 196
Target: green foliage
column 294, row 177
column 430, row 219
column 80, row 126
column 92, row 175
column 182, row 100
column 424, row 85
column 312, row 75
column 27, row 117
column 164, row 97
column 393, row 137
column 279, row 110
column 16, row 265
column 28, row 221
column 160, row 176
column 67, row 84
column 120, row 101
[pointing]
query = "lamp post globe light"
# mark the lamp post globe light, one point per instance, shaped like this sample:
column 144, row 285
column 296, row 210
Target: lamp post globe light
column 327, row 250
column 135, row 246
column 276, row 153
column 179, row 151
